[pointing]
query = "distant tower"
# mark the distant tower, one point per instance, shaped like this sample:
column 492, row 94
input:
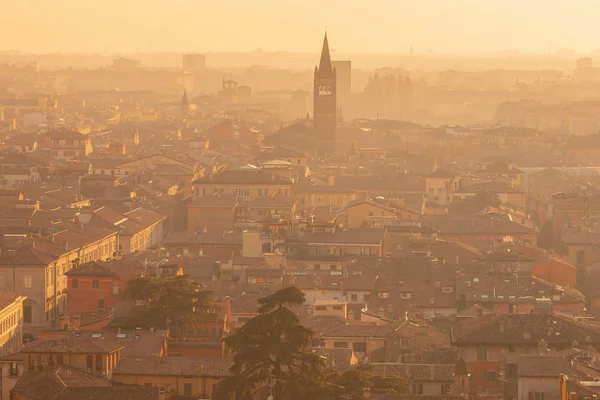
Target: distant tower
column 461, row 378
column 324, row 112
column 185, row 105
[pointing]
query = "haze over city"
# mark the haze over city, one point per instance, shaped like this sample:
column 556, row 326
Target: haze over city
column 376, row 26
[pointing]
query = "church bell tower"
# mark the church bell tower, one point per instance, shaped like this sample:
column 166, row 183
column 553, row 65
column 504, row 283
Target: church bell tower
column 324, row 112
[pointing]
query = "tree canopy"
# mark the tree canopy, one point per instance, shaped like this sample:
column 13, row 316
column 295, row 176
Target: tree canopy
column 174, row 300
column 351, row 384
column 273, row 352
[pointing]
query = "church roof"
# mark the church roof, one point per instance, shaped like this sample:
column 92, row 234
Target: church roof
column 325, row 65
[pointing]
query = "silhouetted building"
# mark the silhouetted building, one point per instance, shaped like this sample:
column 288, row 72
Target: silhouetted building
column 325, row 93
column 125, row 64
column 232, row 93
column 185, row 105
column 194, row 61
column 299, row 104
column 343, row 70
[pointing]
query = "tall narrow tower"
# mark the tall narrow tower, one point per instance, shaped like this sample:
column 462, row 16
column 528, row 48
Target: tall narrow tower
column 324, row 113
column 185, row 105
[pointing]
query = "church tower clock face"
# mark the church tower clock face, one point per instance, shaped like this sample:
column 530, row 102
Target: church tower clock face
column 325, row 91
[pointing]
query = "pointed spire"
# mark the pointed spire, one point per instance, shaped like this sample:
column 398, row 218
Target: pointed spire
column 185, row 105
column 325, row 62
column 460, row 368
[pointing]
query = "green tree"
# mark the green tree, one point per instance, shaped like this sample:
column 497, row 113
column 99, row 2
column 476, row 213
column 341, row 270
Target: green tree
column 272, row 351
column 174, row 300
column 350, row 384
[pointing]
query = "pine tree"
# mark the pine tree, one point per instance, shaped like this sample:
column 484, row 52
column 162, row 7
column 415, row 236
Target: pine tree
column 272, row 351
column 170, row 301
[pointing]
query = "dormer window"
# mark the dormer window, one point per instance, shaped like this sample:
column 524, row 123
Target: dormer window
column 383, row 295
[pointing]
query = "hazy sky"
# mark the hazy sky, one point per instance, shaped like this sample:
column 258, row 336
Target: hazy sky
column 373, row 26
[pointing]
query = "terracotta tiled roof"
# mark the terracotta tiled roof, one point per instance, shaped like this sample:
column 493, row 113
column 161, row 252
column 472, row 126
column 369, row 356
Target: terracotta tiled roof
column 442, row 173
column 7, row 298
column 73, row 346
column 174, row 366
column 207, row 238
column 247, row 177
column 132, row 392
column 46, row 384
column 347, row 236
column 66, row 135
column 543, row 366
column 417, row 372
column 361, row 330
column 90, row 269
column 525, row 328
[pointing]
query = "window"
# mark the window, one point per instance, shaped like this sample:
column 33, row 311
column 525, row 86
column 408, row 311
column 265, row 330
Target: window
column 366, row 297
column 417, row 388
column 337, row 308
column 101, row 304
column 537, row 396
column 89, row 363
column 27, row 281
column 359, row 347
column 404, row 342
column 482, row 354
column 489, row 376
column 187, row 389
column 511, row 370
column 74, row 283
column 405, row 295
column 321, row 308
column 13, row 369
column 447, row 289
column 340, row 345
column 384, row 295
column 27, row 313
column 353, row 297
column 96, row 284
column 98, row 363
column 147, row 384
column 242, row 192
column 445, row 388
